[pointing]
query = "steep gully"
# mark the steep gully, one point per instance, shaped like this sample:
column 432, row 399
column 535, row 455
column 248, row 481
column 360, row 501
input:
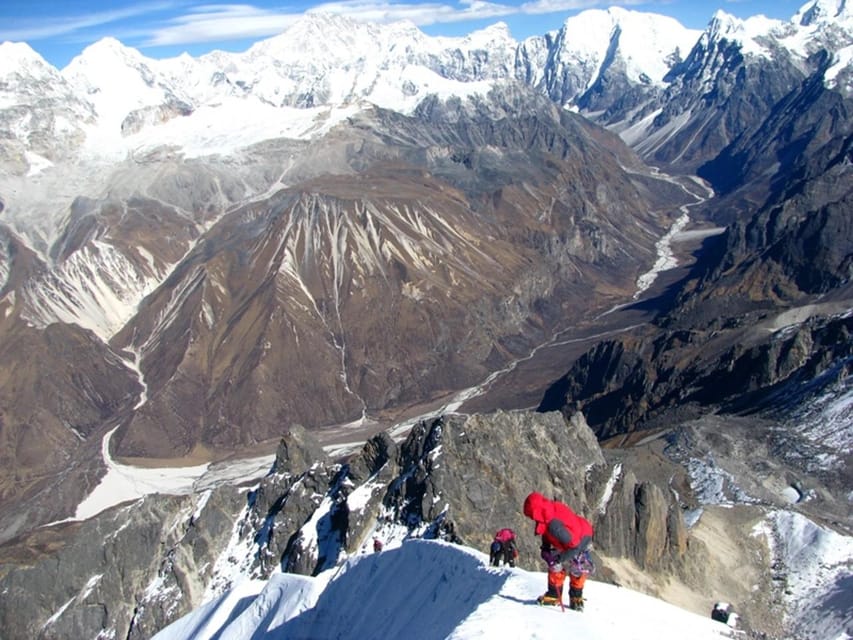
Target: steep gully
column 519, row 385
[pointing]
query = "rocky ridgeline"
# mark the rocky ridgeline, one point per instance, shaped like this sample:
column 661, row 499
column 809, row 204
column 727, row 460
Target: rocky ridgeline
column 132, row 570
column 638, row 382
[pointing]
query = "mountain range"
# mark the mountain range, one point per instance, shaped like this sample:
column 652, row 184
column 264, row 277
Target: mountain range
column 351, row 227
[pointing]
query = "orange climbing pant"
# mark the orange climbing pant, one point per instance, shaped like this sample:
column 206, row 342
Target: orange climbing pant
column 556, row 579
column 577, row 582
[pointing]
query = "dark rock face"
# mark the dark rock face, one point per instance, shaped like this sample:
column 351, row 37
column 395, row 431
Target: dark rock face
column 642, row 523
column 506, row 456
column 139, row 118
column 96, row 581
column 794, row 140
column 634, row 383
column 722, row 93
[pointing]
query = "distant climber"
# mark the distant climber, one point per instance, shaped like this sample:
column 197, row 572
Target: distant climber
column 377, row 545
column 724, row 612
column 503, row 548
column 566, row 538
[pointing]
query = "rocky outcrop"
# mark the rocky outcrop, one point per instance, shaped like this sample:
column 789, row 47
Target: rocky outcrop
column 138, row 119
column 641, row 522
column 636, row 382
column 125, row 573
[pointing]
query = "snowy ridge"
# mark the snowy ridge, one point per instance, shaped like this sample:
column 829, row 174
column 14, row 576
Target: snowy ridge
column 747, row 33
column 425, row 590
column 326, row 63
column 823, row 11
column 818, row 24
column 393, row 66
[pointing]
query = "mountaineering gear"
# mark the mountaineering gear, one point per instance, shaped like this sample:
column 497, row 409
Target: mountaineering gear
column 575, row 599
column 582, row 564
column 557, row 531
column 558, row 525
column 505, row 535
column 556, row 580
column 545, row 599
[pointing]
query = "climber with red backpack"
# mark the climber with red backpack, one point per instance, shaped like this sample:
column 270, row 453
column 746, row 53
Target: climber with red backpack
column 566, row 537
column 503, row 548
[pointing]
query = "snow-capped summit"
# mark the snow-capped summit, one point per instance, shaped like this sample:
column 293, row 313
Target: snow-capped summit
column 20, row 58
column 818, row 24
column 319, row 37
column 40, row 113
column 644, row 42
column 823, row 24
column 117, row 80
column 819, row 11
column 747, row 34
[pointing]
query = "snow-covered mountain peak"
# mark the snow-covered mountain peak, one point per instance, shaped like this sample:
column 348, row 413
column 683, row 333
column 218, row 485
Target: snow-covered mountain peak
column 317, row 38
column 117, row 80
column 816, row 24
column 20, row 58
column 645, row 42
column 819, row 11
column 40, row 114
column 327, row 23
column 497, row 34
column 822, row 24
column 103, row 56
column 746, row 33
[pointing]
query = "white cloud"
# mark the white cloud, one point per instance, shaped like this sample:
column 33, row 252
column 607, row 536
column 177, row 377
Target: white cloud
column 211, row 22
column 558, row 6
column 44, row 28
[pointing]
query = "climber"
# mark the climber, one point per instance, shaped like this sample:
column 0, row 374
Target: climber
column 503, row 548
column 566, row 538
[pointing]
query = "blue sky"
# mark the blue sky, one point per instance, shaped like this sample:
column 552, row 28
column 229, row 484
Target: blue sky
column 60, row 29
